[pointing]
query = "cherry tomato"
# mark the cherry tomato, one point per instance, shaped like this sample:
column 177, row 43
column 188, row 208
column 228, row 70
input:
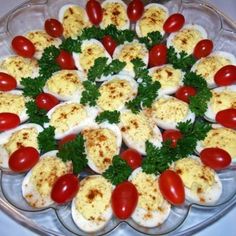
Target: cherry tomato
column 53, row 27
column 158, row 55
column 8, row 121
column 184, row 92
column 23, row 46
column 172, row 135
column 226, row 75
column 66, row 139
column 65, row 188
column 7, row 82
column 124, row 200
column 132, row 157
column 203, row 48
column 23, row 159
column 135, row 10
column 109, row 43
column 65, row 61
column 94, row 11
column 227, row 118
column 174, row 23
column 46, row 101
column 215, row 158
column 172, row 187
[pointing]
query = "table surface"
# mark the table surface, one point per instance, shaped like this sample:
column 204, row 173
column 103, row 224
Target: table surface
column 9, row 227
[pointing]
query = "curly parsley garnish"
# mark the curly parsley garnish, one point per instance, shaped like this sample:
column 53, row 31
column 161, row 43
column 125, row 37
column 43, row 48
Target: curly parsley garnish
column 113, row 117
column 151, row 39
column 90, row 94
column 71, row 45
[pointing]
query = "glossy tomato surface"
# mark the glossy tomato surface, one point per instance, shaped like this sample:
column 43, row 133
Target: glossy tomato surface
column 225, row 76
column 174, row 23
column 94, row 11
column 227, row 118
column 53, row 27
column 46, row 101
column 132, row 157
column 135, row 10
column 7, row 82
column 215, row 158
column 65, row 188
column 66, row 139
column 172, row 135
column 8, row 121
column 109, row 43
column 65, row 61
column 184, row 93
column 203, row 48
column 124, row 200
column 158, row 55
column 23, row 46
column 172, row 187
column 23, row 159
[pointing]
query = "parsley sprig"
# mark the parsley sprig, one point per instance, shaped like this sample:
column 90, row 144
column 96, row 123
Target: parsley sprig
column 74, row 151
column 113, row 117
column 151, row 39
column 118, row 172
column 90, row 94
column 71, row 45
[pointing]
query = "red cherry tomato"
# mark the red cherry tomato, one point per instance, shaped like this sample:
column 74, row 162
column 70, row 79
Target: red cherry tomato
column 53, row 27
column 109, row 43
column 23, row 159
column 7, row 82
column 8, row 121
column 23, row 46
column 65, row 188
column 174, row 23
column 172, row 135
column 46, row 101
column 124, row 200
column 203, row 48
column 172, row 187
column 158, row 55
column 65, row 61
column 94, row 11
column 183, row 93
column 215, row 158
column 226, row 75
column 227, row 118
column 135, row 10
column 66, row 139
column 132, row 157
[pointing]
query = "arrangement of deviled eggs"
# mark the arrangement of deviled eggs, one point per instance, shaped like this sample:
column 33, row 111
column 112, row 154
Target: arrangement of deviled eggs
column 167, row 111
column 102, row 142
column 70, row 117
column 186, row 38
column 222, row 98
column 202, row 184
column 169, row 78
column 74, row 19
column 115, row 13
column 90, row 51
column 65, row 85
column 91, row 208
column 153, row 19
column 152, row 209
column 38, row 183
column 19, row 67
column 208, row 66
column 23, row 136
column 136, row 129
column 116, row 91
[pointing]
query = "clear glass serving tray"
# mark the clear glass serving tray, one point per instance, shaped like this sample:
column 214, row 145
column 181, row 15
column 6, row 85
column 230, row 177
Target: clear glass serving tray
column 184, row 220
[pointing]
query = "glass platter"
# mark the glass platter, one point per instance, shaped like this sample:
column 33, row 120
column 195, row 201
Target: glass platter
column 184, row 220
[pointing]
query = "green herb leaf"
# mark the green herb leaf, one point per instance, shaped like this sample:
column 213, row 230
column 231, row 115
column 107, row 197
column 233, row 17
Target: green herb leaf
column 71, row 45
column 118, row 172
column 74, row 151
column 151, row 39
column 90, row 94
column 114, row 67
column 112, row 117
column 46, row 140
column 36, row 115
column 92, row 33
